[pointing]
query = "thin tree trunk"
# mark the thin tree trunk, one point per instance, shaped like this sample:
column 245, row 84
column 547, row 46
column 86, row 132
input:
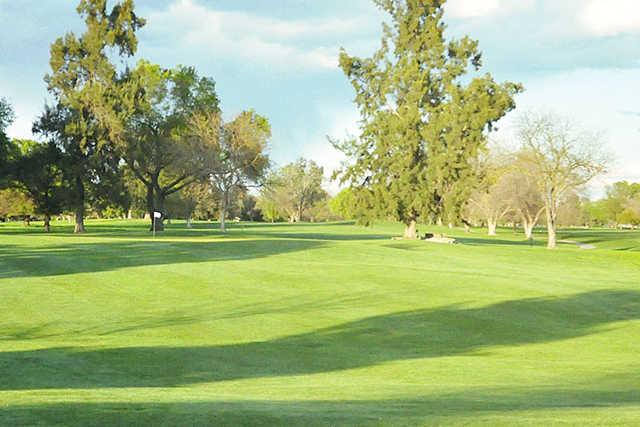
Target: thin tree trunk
column 79, row 227
column 493, row 227
column 223, row 220
column 79, row 212
column 158, row 206
column 528, row 228
column 411, row 230
column 189, row 224
column 155, row 203
column 223, row 213
column 552, row 242
column 47, row 223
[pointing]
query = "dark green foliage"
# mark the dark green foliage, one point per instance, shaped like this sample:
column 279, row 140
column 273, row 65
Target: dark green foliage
column 158, row 146
column 38, row 172
column 249, row 210
column 423, row 120
column 92, row 99
column 621, row 205
column 6, row 118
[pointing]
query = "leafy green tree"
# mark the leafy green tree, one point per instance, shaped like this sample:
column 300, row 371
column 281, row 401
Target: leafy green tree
column 423, row 119
column 160, row 148
column 343, row 204
column 14, row 203
column 6, row 118
column 235, row 153
column 39, row 174
column 619, row 197
column 91, row 99
column 270, row 209
column 597, row 213
column 630, row 216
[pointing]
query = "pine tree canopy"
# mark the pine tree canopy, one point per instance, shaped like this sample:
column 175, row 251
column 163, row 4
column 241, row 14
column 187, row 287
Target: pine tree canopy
column 425, row 113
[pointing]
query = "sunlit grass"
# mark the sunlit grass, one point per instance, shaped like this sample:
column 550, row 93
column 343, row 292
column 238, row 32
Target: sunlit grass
column 316, row 324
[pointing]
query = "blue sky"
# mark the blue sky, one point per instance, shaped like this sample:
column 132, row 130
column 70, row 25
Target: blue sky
column 580, row 58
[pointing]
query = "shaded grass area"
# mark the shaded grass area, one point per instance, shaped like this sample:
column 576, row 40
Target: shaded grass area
column 420, row 334
column 486, row 407
column 315, row 324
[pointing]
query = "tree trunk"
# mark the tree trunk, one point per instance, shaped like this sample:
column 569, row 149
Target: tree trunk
column 189, row 224
column 493, row 226
column 223, row 220
column 79, row 212
column 528, row 228
column 223, row 212
column 79, row 227
column 552, row 242
column 411, row 230
column 299, row 215
column 155, row 203
column 47, row 223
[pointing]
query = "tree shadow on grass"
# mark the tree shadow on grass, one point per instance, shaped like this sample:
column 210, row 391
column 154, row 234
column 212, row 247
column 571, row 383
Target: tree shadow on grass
column 304, row 231
column 501, row 405
column 441, row 332
column 484, row 241
column 79, row 257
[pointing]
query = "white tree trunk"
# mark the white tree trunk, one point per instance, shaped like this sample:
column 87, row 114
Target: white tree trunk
column 552, row 239
column 493, row 227
column 411, row 230
column 528, row 228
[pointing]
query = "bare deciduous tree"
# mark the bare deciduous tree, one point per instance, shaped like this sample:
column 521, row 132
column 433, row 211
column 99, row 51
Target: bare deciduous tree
column 559, row 158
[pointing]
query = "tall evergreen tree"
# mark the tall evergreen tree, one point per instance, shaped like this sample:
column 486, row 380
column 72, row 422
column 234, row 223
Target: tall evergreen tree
column 86, row 85
column 423, row 120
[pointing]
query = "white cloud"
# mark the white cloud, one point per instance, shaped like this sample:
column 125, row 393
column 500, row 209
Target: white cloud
column 281, row 43
column 341, row 123
column 610, row 17
column 484, row 8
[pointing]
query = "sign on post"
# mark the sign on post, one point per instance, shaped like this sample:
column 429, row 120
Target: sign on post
column 156, row 215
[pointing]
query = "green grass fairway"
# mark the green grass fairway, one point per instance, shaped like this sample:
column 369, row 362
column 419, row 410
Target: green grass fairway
column 316, row 324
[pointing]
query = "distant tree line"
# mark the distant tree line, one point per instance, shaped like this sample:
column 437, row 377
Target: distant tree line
column 133, row 141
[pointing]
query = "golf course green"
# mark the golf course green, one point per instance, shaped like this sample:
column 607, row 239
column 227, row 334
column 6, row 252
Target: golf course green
column 316, row 324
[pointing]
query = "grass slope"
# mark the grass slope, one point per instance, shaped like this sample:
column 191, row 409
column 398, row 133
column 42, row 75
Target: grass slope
column 316, row 324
